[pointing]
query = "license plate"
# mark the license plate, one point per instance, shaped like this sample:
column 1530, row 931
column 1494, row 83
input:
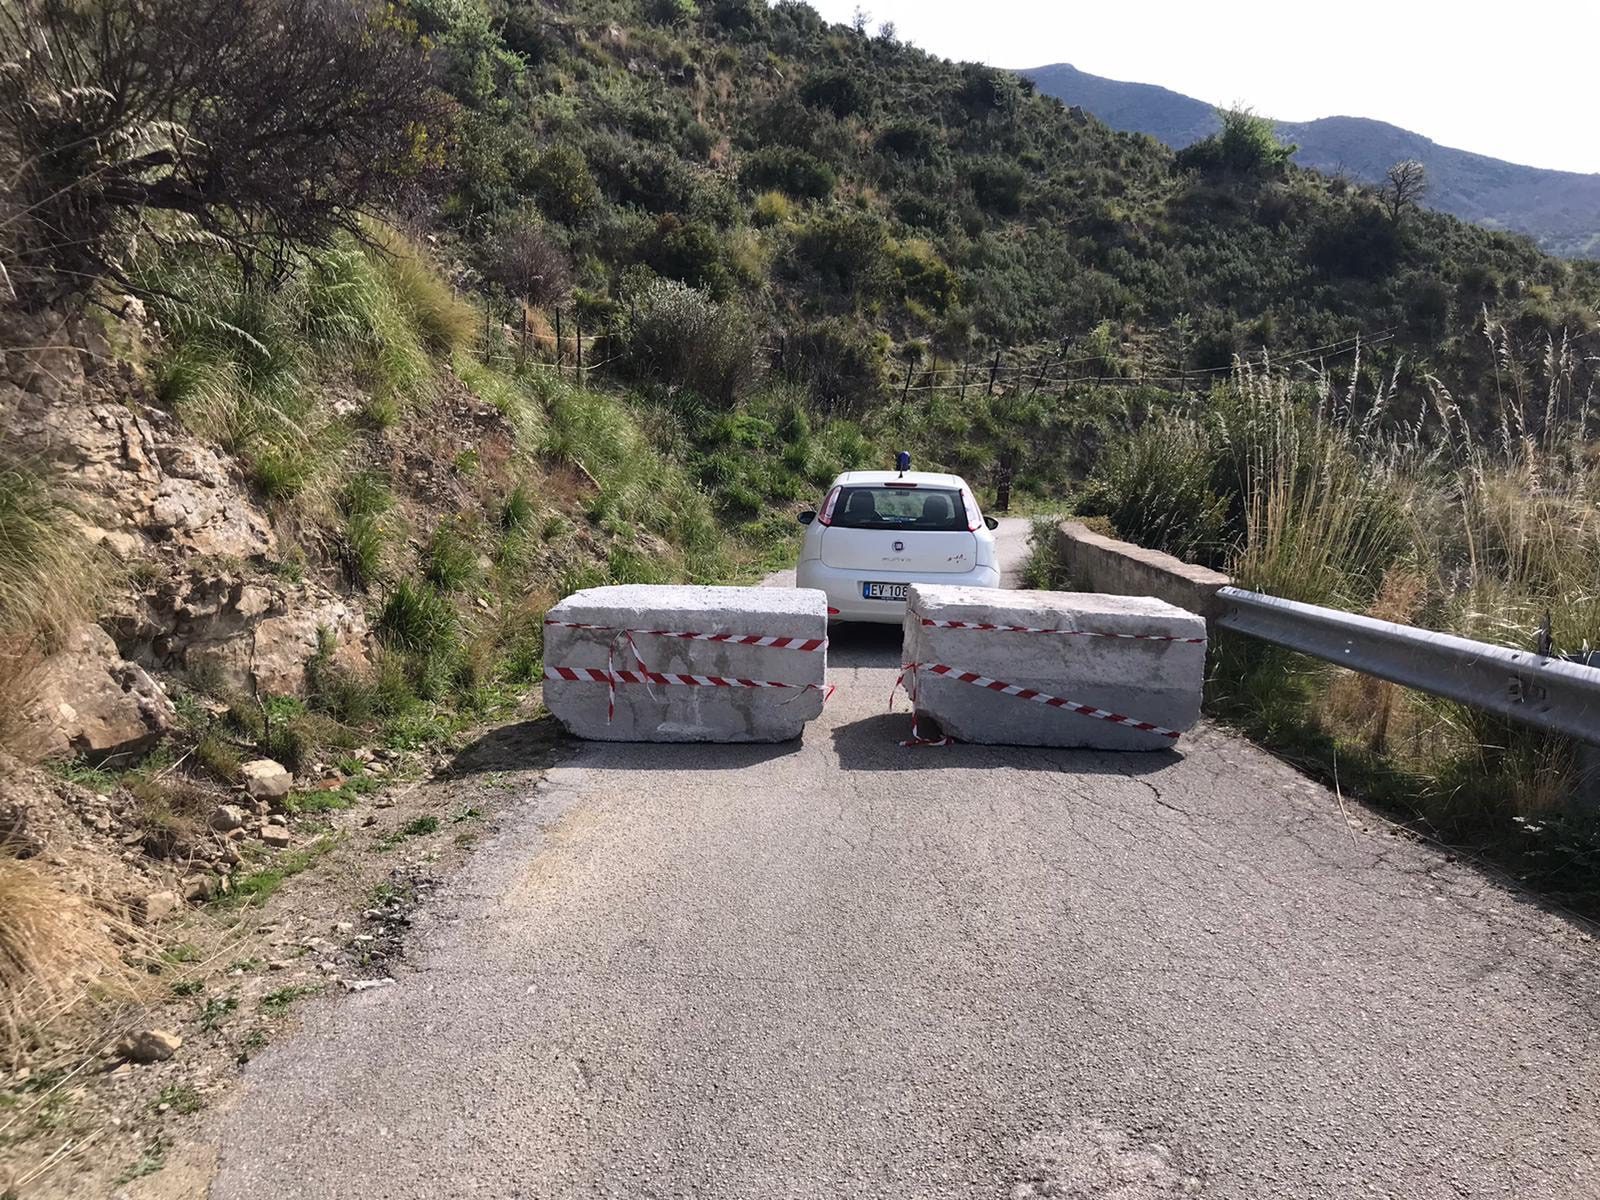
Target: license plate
column 883, row 591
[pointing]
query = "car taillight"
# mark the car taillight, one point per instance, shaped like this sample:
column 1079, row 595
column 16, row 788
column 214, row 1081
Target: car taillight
column 974, row 517
column 825, row 517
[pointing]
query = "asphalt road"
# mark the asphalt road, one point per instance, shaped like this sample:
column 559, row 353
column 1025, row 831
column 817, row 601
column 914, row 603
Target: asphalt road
column 844, row 968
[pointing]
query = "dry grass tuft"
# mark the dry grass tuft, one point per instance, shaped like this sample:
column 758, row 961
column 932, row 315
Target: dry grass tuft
column 49, row 577
column 48, row 573
column 56, row 947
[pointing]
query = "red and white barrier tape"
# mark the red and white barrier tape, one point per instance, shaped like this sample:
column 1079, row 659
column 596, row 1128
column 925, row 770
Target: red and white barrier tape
column 598, row 675
column 732, row 639
column 908, row 680
column 1132, row 637
column 667, row 679
column 1010, row 689
column 611, row 677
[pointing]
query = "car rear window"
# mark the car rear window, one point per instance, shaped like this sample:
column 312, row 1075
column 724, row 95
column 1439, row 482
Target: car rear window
column 933, row 509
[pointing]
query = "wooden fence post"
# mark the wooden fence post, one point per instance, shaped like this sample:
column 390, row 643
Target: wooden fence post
column 558, row 340
column 577, row 342
column 1002, row 488
column 994, row 371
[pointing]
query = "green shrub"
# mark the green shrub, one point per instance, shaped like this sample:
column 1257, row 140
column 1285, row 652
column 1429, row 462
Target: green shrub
column 517, row 513
column 910, row 139
column 998, row 186
column 924, row 277
column 846, row 249
column 773, row 208
column 839, row 92
column 841, row 367
column 681, row 337
column 418, row 619
column 789, row 170
column 450, row 561
column 1355, row 242
column 1247, row 146
column 987, row 91
column 738, row 15
column 563, row 184
column 671, row 12
column 690, row 252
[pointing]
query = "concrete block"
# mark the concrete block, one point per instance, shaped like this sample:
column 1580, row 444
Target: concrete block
column 670, row 712
column 1098, row 563
column 1148, row 680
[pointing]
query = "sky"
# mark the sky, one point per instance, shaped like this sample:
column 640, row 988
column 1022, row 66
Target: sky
column 1513, row 83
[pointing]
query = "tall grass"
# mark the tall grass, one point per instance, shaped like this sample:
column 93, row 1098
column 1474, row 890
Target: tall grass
column 50, row 577
column 1331, row 497
column 244, row 363
column 636, row 487
column 48, row 572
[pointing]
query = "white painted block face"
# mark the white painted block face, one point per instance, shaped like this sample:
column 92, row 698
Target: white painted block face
column 1148, row 680
column 686, row 712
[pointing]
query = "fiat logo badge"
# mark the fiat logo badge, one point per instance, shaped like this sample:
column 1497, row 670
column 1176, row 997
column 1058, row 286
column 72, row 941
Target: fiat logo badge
column 899, row 545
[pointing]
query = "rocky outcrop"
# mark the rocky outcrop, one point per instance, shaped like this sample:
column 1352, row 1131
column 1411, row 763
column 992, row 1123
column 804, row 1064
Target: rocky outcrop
column 258, row 637
column 145, row 484
column 179, row 513
column 87, row 701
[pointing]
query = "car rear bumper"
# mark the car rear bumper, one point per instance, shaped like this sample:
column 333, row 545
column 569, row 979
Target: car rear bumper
column 843, row 588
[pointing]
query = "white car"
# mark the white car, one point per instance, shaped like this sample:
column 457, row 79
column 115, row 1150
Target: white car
column 878, row 532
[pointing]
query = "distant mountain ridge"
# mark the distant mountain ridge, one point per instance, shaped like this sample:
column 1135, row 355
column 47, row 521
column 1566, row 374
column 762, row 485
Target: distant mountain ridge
column 1558, row 209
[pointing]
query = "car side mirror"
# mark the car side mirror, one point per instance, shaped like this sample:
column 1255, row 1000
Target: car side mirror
column 991, row 523
column 806, row 517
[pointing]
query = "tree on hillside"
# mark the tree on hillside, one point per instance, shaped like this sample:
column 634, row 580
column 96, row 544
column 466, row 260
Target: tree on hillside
column 1403, row 188
column 531, row 268
column 256, row 125
column 1247, row 147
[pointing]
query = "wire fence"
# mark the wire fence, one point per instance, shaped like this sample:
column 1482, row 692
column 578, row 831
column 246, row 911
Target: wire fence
column 560, row 342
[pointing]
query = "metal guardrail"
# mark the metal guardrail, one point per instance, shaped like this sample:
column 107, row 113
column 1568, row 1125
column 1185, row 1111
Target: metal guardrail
column 1549, row 693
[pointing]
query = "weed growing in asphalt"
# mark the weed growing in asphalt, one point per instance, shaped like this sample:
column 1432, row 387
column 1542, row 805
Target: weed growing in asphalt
column 216, row 1011
column 258, row 886
column 420, row 827
column 148, row 1163
column 276, row 1003
column 180, row 1098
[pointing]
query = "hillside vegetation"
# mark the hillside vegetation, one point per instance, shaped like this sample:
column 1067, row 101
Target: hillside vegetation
column 876, row 204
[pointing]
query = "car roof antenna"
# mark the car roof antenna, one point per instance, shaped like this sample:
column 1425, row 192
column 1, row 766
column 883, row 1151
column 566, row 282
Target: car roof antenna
column 902, row 462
